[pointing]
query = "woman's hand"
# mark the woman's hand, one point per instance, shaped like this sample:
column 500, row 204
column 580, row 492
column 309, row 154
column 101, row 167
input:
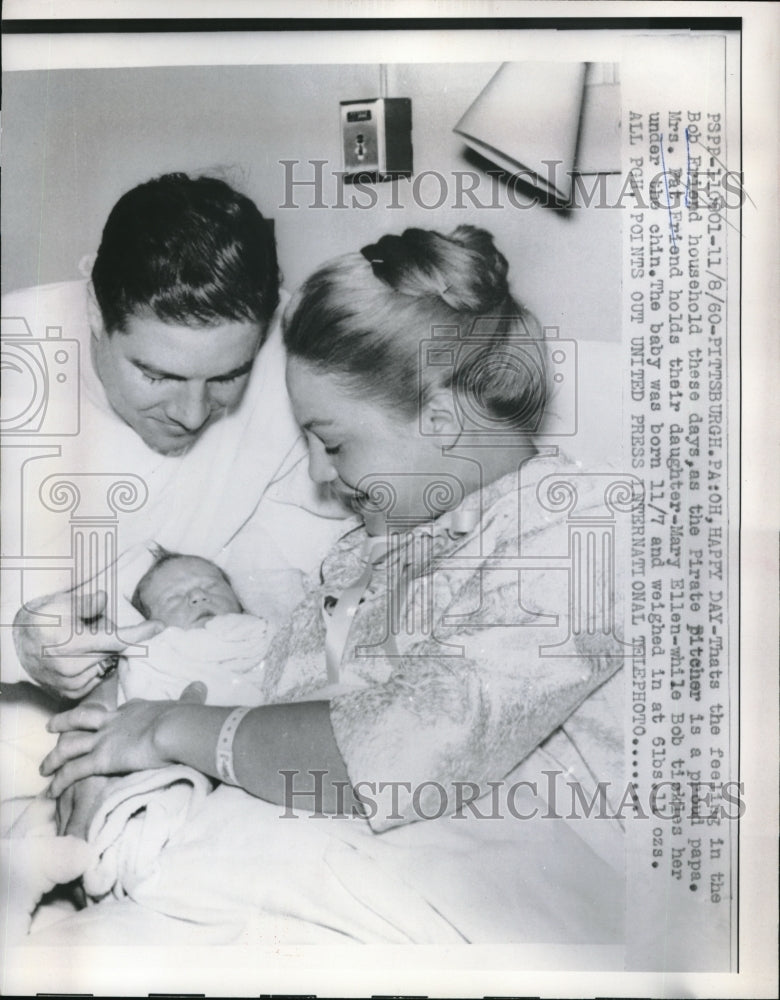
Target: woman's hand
column 297, row 736
column 100, row 740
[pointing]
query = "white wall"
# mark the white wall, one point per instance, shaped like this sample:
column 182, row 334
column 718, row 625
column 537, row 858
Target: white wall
column 74, row 140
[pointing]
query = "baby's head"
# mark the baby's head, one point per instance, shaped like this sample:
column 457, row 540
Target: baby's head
column 185, row 591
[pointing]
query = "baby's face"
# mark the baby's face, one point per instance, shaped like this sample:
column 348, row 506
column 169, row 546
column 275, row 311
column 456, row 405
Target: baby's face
column 187, row 591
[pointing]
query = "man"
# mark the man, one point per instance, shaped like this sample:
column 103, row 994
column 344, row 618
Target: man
column 182, row 412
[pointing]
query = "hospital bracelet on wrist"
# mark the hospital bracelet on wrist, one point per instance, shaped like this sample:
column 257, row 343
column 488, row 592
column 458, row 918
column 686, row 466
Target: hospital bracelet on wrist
column 225, row 739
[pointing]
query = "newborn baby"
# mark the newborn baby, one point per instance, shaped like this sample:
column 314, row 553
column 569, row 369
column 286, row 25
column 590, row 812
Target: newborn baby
column 208, row 637
column 185, row 591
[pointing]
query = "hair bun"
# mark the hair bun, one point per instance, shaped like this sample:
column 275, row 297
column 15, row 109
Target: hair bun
column 388, row 258
column 464, row 269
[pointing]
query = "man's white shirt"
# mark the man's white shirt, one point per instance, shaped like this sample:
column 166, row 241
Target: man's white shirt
column 83, row 487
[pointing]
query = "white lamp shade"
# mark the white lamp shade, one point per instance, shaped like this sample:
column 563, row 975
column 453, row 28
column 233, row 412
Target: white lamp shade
column 527, row 119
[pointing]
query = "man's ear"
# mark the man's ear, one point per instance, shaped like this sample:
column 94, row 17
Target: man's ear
column 94, row 315
column 440, row 415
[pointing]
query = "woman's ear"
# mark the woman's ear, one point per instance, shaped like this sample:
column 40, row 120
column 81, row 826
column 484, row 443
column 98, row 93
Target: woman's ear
column 440, row 417
column 94, row 315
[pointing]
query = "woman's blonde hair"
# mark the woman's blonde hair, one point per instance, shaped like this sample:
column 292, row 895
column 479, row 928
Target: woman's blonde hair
column 415, row 313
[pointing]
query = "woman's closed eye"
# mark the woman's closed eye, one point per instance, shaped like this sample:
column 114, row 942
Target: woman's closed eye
column 228, row 379
column 332, row 449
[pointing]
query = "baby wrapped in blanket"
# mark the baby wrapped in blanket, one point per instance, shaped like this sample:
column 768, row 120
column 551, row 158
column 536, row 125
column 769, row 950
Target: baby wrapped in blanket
column 208, row 638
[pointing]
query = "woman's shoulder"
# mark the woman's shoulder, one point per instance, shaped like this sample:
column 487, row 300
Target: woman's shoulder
column 557, row 486
column 532, row 510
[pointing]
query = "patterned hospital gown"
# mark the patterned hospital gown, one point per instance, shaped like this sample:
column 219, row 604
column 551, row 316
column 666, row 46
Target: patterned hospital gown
column 509, row 634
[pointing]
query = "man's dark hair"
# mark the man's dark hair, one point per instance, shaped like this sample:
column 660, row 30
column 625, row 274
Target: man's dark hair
column 190, row 250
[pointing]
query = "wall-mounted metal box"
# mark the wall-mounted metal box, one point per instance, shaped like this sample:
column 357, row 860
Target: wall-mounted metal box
column 377, row 138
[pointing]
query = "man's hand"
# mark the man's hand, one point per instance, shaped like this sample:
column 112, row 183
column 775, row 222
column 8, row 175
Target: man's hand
column 88, row 641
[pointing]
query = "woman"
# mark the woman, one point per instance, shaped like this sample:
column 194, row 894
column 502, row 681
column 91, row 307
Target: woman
column 422, row 669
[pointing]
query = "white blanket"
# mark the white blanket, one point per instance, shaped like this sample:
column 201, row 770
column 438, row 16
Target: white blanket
column 139, row 814
column 226, row 655
column 238, row 871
